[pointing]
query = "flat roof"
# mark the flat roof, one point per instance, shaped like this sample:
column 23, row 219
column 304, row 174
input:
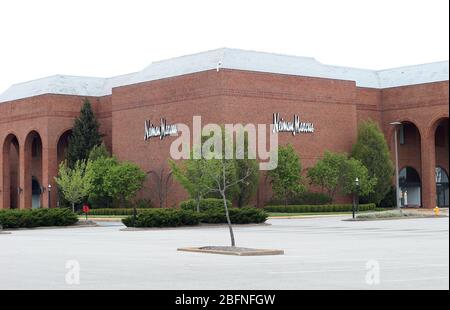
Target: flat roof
column 230, row 59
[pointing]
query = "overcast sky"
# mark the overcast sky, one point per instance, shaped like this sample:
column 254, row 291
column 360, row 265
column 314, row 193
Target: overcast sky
column 107, row 38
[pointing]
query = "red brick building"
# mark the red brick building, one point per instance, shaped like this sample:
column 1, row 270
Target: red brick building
column 228, row 86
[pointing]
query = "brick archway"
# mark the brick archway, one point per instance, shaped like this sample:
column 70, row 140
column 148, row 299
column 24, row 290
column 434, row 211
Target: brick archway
column 31, row 165
column 10, row 190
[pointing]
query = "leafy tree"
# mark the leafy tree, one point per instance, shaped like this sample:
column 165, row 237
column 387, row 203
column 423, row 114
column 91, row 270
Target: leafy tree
column 85, row 135
column 372, row 150
column 191, row 176
column 286, row 176
column 353, row 169
column 337, row 172
column 72, row 182
column 326, row 173
column 123, row 181
column 97, row 171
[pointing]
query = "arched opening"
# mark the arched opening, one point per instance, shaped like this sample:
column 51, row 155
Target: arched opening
column 410, row 187
column 409, row 140
column 33, row 170
column 63, row 144
column 441, row 141
column 408, row 154
column 36, row 192
column 441, row 188
column 11, row 185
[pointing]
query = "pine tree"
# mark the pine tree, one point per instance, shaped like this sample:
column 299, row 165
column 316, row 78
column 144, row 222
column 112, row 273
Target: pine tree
column 85, row 135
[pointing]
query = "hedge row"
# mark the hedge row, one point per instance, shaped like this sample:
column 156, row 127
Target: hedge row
column 114, row 211
column 179, row 217
column 237, row 216
column 305, row 198
column 318, row 208
column 205, row 204
column 163, row 218
column 36, row 218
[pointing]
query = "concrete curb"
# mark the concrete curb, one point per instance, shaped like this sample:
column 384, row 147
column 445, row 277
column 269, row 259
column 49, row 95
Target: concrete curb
column 51, row 227
column 395, row 218
column 254, row 252
column 192, row 227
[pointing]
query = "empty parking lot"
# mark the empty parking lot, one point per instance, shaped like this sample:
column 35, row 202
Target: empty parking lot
column 320, row 253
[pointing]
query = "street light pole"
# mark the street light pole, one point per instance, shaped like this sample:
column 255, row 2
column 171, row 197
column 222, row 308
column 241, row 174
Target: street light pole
column 355, row 197
column 397, row 185
column 49, row 189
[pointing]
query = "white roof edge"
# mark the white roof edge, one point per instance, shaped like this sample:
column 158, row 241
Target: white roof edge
column 230, row 59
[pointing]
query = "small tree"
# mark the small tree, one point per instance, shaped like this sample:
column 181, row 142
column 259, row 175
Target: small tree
column 73, row 183
column 353, row 169
column 372, row 150
column 222, row 172
column 327, row 172
column 163, row 182
column 192, row 178
column 97, row 170
column 85, row 135
column 123, row 181
column 286, row 177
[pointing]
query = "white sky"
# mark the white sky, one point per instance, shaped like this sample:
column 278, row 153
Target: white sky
column 107, row 38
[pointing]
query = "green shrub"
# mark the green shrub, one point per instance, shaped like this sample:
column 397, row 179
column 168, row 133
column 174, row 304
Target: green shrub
column 37, row 218
column 112, row 211
column 306, row 198
column 163, row 218
column 179, row 217
column 318, row 208
column 389, row 200
column 237, row 216
column 205, row 204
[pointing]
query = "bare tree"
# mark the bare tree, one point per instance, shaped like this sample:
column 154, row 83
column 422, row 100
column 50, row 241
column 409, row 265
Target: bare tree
column 223, row 174
column 163, row 183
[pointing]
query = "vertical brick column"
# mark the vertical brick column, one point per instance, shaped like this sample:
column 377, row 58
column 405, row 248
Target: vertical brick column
column 25, row 175
column 2, row 177
column 428, row 158
column 49, row 172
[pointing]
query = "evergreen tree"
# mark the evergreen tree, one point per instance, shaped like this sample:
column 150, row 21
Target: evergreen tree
column 85, row 135
column 372, row 150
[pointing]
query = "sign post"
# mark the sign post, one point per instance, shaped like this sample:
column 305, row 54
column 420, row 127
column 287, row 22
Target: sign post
column 86, row 210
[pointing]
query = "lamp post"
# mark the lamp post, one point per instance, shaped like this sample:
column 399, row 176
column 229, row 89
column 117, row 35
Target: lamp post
column 397, row 186
column 49, row 190
column 355, row 193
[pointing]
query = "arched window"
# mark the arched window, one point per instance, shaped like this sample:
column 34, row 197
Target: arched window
column 410, row 186
column 441, row 187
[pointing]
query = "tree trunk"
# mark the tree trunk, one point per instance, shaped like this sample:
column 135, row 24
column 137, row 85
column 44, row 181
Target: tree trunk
column 73, row 207
column 198, row 204
column 233, row 243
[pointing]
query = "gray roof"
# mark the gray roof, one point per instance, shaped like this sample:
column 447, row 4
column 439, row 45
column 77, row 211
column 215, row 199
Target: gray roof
column 230, row 59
